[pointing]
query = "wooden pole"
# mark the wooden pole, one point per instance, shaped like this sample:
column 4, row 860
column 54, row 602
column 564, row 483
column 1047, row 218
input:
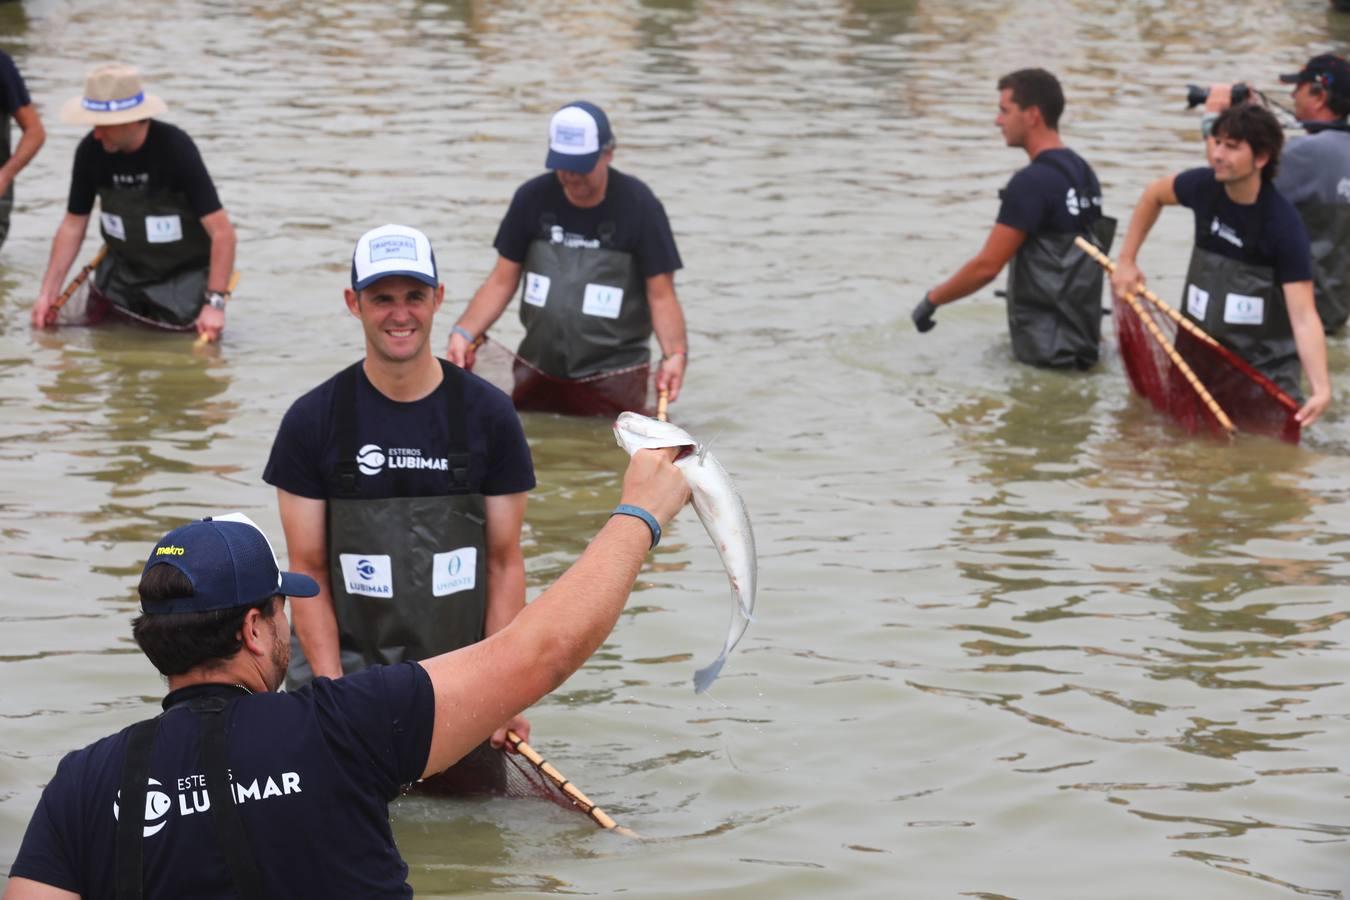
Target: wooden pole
column 662, row 400
column 597, row 815
column 79, row 279
column 1196, row 331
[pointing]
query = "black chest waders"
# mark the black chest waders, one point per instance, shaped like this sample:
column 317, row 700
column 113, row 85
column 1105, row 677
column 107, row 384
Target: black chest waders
column 1328, row 227
column 584, row 309
column 1055, row 289
column 158, row 258
column 231, row 835
column 408, row 574
column 1240, row 305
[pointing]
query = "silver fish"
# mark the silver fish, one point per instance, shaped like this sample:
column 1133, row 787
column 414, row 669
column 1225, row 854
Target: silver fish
column 722, row 512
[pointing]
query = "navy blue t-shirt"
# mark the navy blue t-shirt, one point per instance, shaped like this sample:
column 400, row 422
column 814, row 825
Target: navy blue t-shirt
column 640, row 224
column 13, row 92
column 167, row 161
column 400, row 446
column 1268, row 232
column 313, row 774
column 1042, row 198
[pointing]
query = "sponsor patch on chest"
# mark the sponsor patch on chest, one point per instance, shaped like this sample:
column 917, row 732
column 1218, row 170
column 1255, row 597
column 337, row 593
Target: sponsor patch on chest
column 1242, row 309
column 1197, row 302
column 602, row 300
column 454, row 571
column 163, row 229
column 367, row 574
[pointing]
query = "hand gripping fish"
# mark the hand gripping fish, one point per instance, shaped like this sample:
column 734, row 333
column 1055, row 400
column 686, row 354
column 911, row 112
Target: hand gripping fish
column 722, row 512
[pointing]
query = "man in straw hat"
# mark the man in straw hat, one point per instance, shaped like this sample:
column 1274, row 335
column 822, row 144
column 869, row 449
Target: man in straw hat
column 16, row 104
column 170, row 242
column 597, row 258
column 236, row 790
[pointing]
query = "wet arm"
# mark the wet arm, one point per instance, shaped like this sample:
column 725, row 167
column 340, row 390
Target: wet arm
column 1002, row 243
column 304, row 521
column 505, row 563
column 1311, row 342
column 66, row 243
column 1160, row 193
column 223, row 242
column 486, row 307
column 27, row 889
column 668, row 323
column 34, row 135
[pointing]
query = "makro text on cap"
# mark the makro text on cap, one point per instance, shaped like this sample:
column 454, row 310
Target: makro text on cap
column 393, row 250
column 577, row 134
column 230, row 563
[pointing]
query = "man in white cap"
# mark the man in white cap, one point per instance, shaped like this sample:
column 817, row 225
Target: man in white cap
column 17, row 105
column 402, row 485
column 170, row 242
column 236, row 790
column 599, row 260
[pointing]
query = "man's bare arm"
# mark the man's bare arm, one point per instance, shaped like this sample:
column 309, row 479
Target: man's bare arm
column 486, row 307
column 1310, row 339
column 668, row 323
column 304, row 521
column 66, row 243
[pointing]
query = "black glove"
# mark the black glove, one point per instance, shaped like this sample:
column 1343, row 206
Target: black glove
column 923, row 315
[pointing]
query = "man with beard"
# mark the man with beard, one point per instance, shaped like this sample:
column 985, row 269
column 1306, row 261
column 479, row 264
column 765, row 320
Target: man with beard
column 236, row 790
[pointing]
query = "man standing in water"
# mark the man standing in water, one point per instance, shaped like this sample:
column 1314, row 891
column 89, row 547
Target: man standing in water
column 16, row 104
column 238, row 791
column 170, row 242
column 1250, row 278
column 402, row 485
column 1054, row 289
column 599, row 262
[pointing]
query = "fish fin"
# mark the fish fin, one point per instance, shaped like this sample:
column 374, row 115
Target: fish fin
column 705, row 676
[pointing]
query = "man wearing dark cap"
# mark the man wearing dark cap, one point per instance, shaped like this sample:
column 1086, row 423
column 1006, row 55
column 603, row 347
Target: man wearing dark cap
column 17, row 105
column 170, row 242
column 238, row 791
column 1054, row 290
column 402, row 484
column 598, row 259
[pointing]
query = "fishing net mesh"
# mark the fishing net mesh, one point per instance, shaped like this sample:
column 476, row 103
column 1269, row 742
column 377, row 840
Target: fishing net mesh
column 631, row 389
column 489, row 772
column 1250, row 400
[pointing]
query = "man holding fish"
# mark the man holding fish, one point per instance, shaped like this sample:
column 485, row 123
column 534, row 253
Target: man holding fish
column 170, row 243
column 401, row 483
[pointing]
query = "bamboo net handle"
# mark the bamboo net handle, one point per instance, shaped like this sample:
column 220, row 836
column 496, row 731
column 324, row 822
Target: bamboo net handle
column 598, row 815
column 1182, row 366
column 75, row 282
column 662, row 400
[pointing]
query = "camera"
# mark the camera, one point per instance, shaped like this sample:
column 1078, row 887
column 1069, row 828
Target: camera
column 1196, row 95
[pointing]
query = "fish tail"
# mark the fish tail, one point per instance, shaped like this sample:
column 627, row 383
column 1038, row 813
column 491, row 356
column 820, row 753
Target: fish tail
column 705, row 676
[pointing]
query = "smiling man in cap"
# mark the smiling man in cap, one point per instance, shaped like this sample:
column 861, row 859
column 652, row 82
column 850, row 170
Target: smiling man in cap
column 170, row 242
column 402, row 484
column 238, row 791
column 598, row 259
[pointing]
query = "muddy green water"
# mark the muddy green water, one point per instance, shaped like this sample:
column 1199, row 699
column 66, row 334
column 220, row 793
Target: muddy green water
column 1016, row 637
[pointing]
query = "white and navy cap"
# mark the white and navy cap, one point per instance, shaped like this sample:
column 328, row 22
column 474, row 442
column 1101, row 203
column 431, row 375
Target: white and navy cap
column 576, row 135
column 393, row 250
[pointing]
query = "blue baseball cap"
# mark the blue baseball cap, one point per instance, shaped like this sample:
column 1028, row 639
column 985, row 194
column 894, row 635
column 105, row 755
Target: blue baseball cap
column 577, row 134
column 230, row 563
column 393, row 250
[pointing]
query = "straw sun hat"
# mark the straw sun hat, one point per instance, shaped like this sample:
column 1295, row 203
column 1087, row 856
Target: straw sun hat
column 112, row 96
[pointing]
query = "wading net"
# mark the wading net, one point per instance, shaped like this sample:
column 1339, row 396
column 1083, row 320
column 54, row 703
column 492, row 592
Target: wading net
column 1250, row 400
column 494, row 773
column 631, row 389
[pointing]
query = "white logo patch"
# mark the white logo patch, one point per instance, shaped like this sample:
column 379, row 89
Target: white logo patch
column 1343, row 189
column 602, row 300
column 370, row 459
column 368, row 574
column 393, row 246
column 1224, row 232
column 113, row 226
column 1197, row 301
column 163, row 229
column 536, row 288
column 157, row 806
column 1240, row 309
column 1071, row 201
column 454, row 571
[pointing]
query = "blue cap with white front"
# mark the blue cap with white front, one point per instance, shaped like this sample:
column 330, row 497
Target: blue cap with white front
column 577, row 134
column 393, row 250
column 230, row 563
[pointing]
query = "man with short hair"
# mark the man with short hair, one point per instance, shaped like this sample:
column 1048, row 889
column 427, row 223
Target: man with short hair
column 238, row 791
column 1249, row 284
column 1054, row 289
column 170, row 242
column 401, row 483
column 599, row 260
column 16, row 104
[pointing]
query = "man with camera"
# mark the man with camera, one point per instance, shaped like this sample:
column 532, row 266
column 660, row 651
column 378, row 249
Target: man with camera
column 1315, row 172
column 1054, row 290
